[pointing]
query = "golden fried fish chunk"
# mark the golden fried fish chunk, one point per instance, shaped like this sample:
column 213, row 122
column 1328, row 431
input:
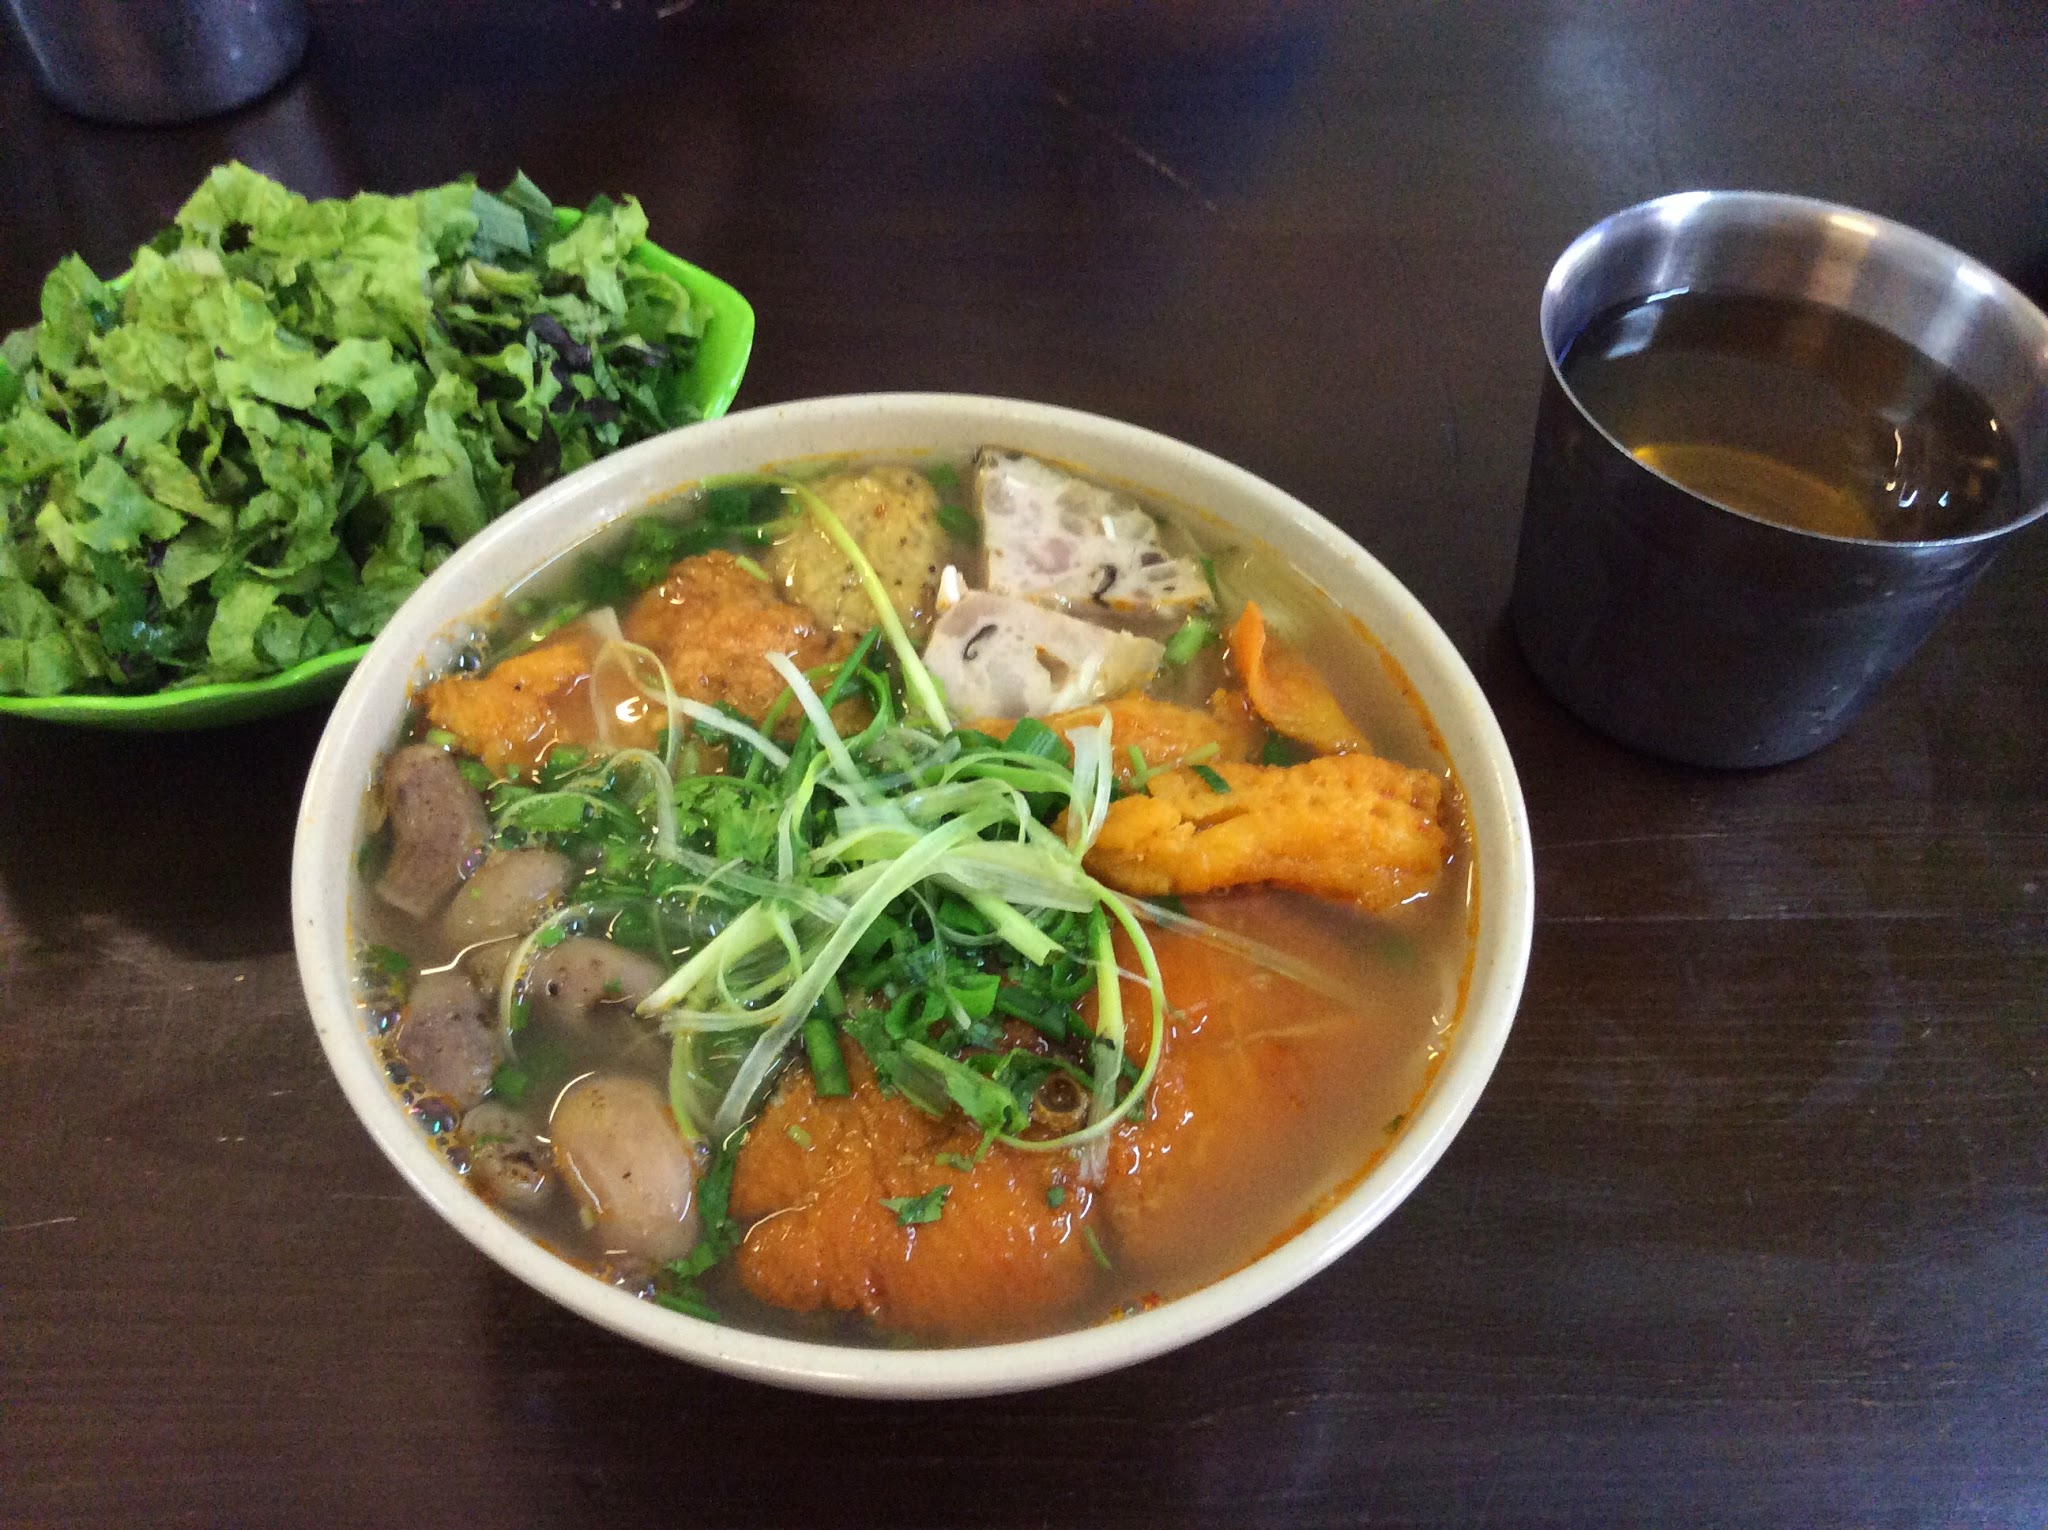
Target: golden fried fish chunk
column 1250, row 1058
column 1162, row 731
column 811, row 1178
column 515, row 712
column 711, row 622
column 1347, row 826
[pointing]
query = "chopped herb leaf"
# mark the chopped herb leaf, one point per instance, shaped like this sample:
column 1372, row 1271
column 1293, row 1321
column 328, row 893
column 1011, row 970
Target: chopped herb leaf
column 1056, row 1197
column 957, row 522
column 511, row 1083
column 684, row 1297
column 389, row 962
column 1281, row 750
column 718, row 1234
column 912, row 1210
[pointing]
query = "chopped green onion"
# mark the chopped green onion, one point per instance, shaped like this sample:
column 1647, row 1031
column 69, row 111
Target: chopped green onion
column 828, row 1063
column 1194, row 635
column 1095, row 1246
column 1211, row 779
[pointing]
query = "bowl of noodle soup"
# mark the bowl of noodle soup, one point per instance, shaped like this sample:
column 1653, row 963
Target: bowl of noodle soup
column 925, row 1168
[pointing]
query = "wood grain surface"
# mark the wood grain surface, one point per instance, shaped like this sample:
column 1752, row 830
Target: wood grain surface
column 1751, row 1226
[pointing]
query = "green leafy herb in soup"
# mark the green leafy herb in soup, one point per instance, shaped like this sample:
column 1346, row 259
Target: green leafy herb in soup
column 933, row 902
column 247, row 451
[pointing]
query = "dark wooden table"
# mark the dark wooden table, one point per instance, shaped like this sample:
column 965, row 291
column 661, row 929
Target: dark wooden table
column 1751, row 1226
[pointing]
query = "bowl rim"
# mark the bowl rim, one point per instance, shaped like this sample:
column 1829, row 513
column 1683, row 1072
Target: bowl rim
column 597, row 495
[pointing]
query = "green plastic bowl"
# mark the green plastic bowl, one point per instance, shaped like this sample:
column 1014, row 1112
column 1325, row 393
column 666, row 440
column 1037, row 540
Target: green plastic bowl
column 721, row 362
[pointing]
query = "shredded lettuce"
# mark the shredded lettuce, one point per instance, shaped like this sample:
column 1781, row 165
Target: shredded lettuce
column 249, row 450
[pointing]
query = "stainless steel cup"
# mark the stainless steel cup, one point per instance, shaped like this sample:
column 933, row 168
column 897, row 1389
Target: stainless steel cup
column 1690, row 630
column 159, row 60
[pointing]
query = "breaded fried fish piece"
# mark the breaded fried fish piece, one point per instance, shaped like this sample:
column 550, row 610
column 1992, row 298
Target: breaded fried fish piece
column 1347, row 826
column 1251, row 1058
column 515, row 712
column 711, row 621
column 811, row 1178
column 1163, row 732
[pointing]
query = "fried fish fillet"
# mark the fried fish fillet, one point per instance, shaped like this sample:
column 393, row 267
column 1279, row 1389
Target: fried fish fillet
column 1347, row 826
column 711, row 622
column 1162, row 732
column 515, row 712
column 812, row 1176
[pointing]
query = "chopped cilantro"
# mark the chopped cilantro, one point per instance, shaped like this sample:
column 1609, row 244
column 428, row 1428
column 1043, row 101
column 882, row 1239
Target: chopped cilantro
column 1056, row 1197
column 389, row 962
column 911, row 1210
column 958, row 522
column 511, row 1083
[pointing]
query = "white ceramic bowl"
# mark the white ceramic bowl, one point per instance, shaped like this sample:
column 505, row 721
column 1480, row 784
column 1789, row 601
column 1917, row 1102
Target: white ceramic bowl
column 367, row 717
